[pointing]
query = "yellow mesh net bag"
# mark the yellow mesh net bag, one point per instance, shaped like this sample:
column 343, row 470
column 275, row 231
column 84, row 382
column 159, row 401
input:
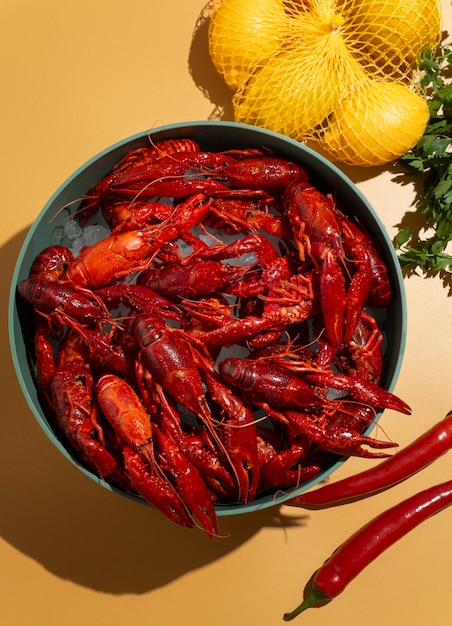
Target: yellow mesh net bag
column 343, row 73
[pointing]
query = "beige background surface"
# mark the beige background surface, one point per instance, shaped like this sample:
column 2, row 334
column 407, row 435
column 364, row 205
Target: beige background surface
column 76, row 77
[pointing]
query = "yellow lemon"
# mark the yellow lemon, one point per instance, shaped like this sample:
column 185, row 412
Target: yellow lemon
column 282, row 97
column 242, row 32
column 393, row 33
column 376, row 124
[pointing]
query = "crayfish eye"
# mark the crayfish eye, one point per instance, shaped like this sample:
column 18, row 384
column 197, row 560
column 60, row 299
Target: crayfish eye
column 228, row 369
column 152, row 336
column 147, row 331
column 234, row 371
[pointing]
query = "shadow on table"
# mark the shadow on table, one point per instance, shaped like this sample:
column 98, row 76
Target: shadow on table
column 59, row 517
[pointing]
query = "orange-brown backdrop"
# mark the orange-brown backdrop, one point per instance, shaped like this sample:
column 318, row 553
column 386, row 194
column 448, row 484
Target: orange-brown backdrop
column 77, row 76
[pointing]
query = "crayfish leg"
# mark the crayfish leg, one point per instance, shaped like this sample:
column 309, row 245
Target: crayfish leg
column 201, row 454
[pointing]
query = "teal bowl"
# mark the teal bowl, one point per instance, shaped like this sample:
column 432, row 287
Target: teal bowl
column 211, row 136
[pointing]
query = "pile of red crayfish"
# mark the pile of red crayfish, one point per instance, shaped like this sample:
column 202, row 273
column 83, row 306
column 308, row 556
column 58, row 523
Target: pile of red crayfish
column 177, row 370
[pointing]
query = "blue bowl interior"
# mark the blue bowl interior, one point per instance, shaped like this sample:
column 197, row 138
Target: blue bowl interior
column 212, row 136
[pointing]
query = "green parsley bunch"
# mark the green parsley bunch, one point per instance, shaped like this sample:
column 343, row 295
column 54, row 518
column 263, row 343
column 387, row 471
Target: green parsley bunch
column 432, row 156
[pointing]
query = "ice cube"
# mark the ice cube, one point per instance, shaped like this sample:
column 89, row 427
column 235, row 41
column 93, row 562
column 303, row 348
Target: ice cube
column 72, row 230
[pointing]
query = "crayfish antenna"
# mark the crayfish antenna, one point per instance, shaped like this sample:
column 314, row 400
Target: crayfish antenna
column 86, row 206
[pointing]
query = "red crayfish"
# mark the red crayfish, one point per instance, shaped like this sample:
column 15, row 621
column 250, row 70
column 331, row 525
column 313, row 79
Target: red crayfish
column 219, row 344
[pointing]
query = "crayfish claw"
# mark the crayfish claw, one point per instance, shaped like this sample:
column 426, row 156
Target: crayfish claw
column 156, row 490
column 336, row 439
column 348, row 443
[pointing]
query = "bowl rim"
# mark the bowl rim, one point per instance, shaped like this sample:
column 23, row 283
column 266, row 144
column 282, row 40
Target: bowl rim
column 221, row 509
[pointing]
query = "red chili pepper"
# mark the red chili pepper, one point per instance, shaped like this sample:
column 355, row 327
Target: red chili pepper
column 369, row 542
column 397, row 468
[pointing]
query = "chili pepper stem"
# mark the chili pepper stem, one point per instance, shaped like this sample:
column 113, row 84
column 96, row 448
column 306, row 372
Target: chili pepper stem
column 315, row 599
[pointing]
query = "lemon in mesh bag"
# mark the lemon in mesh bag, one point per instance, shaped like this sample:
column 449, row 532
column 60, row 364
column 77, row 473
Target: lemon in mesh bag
column 375, row 124
column 394, row 33
column 241, row 33
column 292, row 92
column 302, row 64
